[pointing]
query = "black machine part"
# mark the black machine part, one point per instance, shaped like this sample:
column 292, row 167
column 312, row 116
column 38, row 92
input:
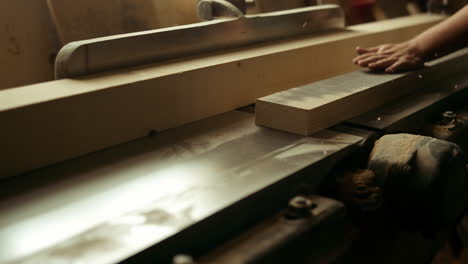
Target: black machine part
column 312, row 229
column 423, row 179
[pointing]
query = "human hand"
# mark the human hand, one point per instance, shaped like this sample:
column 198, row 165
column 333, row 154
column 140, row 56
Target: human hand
column 391, row 57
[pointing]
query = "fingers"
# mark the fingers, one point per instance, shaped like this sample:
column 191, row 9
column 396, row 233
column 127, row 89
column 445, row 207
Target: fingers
column 362, row 51
column 364, row 54
column 371, row 59
column 388, row 57
column 363, row 57
column 382, row 64
column 401, row 65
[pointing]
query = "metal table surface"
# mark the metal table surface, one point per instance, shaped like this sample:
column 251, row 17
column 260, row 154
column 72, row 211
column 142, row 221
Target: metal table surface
column 105, row 207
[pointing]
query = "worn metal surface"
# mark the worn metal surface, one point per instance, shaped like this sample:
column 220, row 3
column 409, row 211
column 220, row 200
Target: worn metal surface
column 111, row 205
column 319, row 236
column 91, row 56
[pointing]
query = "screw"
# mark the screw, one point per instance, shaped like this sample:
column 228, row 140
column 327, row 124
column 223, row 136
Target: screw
column 407, row 170
column 183, row 259
column 299, row 207
column 448, row 117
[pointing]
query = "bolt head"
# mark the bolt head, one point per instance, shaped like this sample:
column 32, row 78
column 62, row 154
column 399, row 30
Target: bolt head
column 300, row 202
column 300, row 207
column 449, row 114
column 448, row 117
column 183, row 259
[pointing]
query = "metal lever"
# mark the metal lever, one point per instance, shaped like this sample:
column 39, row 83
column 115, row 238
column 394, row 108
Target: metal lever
column 211, row 9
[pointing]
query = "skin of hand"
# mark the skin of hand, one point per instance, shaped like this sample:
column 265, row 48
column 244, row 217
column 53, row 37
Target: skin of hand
column 439, row 40
column 391, row 57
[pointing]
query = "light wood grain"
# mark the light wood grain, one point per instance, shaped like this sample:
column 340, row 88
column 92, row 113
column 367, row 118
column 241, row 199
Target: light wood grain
column 310, row 108
column 50, row 122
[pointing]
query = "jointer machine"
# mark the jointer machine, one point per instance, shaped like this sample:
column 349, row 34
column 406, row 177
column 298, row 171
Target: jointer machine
column 146, row 148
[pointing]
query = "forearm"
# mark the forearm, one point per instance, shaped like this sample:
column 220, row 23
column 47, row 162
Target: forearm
column 448, row 36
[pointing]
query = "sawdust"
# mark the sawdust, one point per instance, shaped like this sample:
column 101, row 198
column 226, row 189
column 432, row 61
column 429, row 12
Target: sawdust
column 404, row 147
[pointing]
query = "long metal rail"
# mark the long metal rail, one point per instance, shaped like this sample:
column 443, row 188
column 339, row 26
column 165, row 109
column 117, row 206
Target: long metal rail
column 115, row 52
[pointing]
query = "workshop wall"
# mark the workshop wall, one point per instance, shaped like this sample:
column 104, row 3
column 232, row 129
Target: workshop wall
column 176, row 12
column 28, row 43
column 87, row 19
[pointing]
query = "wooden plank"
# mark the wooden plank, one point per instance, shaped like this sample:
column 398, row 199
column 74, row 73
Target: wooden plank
column 308, row 109
column 87, row 19
column 50, row 122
